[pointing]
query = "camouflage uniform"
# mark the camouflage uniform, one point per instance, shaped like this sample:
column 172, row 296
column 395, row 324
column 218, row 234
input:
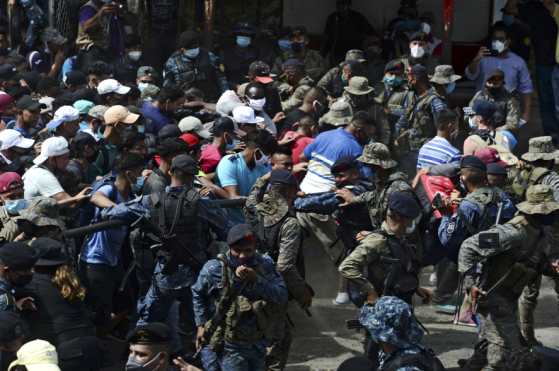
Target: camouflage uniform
column 332, row 82
column 9, row 230
column 502, row 270
column 315, row 65
column 388, row 106
column 508, row 108
column 292, row 96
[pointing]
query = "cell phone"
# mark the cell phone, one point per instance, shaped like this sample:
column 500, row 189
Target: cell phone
column 437, row 202
column 488, row 240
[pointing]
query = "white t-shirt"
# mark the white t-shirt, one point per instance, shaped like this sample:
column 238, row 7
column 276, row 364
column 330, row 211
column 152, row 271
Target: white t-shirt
column 40, row 182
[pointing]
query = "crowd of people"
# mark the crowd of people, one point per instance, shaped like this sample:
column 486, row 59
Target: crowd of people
column 170, row 205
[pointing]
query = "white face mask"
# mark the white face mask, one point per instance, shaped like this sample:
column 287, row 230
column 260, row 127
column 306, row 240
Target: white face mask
column 257, row 104
column 262, row 161
column 472, row 121
column 142, row 86
column 135, row 55
column 417, row 51
column 498, row 46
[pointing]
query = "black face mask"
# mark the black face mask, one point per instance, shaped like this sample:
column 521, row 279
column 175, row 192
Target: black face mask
column 494, row 91
column 297, row 47
column 21, row 280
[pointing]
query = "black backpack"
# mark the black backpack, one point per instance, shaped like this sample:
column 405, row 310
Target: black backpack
column 424, row 360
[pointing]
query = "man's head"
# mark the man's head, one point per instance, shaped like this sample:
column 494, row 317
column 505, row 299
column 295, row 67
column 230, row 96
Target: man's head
column 193, row 125
column 84, row 146
column 112, row 92
column 307, row 126
column 189, row 44
column 484, row 111
column 54, row 153
column 97, row 72
column 500, row 39
column 473, row 173
column 54, row 40
column 11, row 187
column 116, row 118
column 244, row 33
column 13, row 144
column 246, row 118
column 183, row 169
column 65, row 122
column 496, row 175
column 223, row 131
column 363, row 127
column 541, row 152
column 294, row 71
column 495, row 82
column 16, row 263
column 260, row 144
column 418, row 79
column 346, row 172
column 28, row 111
column 283, row 184
column 170, row 99
column 242, row 245
column 11, row 332
column 145, row 75
column 418, row 45
column 359, row 91
column 149, row 347
column 256, row 95
column 446, row 122
column 169, row 149
column 299, row 39
column 403, row 209
column 129, row 167
column 394, row 75
column 377, row 156
column 259, row 71
column 282, row 158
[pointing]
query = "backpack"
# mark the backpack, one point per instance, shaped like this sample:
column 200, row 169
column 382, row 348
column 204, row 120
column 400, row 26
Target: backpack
column 425, row 360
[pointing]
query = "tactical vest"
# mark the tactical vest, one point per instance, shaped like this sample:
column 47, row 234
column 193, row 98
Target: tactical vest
column 422, row 123
column 424, row 360
column 484, row 199
column 526, row 178
column 98, row 35
column 198, row 73
column 237, row 62
column 336, row 85
column 377, row 211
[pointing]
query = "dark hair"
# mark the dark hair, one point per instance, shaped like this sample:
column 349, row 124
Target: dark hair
column 362, row 118
column 194, row 93
column 445, row 117
column 129, row 161
column 475, row 176
column 99, row 68
column 257, row 87
column 170, row 93
column 497, row 27
column 129, row 137
column 261, row 139
column 283, row 150
column 171, row 147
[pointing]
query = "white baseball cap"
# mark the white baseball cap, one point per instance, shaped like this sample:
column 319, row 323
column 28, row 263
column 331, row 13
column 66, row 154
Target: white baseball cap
column 245, row 115
column 12, row 138
column 193, row 124
column 112, row 86
column 37, row 355
column 62, row 115
column 52, row 147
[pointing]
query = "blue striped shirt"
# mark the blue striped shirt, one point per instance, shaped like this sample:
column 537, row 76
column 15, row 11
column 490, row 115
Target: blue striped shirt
column 437, row 151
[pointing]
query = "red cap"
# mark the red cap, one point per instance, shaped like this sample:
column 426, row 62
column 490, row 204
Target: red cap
column 190, row 139
column 263, row 79
column 489, row 156
column 5, row 101
column 7, row 179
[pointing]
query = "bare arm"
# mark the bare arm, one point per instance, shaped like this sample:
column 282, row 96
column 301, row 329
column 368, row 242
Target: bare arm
column 527, row 105
column 232, row 191
column 101, row 201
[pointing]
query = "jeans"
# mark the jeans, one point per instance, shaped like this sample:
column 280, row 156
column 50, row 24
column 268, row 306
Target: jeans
column 546, row 84
column 243, row 358
column 101, row 281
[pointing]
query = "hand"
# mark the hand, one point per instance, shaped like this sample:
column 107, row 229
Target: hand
column 475, row 293
column 483, row 52
column 240, row 147
column 372, row 298
column 146, row 173
column 555, row 265
column 278, row 117
column 361, row 235
column 346, row 195
column 307, row 297
column 27, row 303
column 205, row 191
column 245, row 273
column 184, row 366
column 84, row 193
column 425, row 294
column 289, row 139
column 194, row 104
column 200, row 332
column 520, row 165
column 300, row 167
column 418, row 175
column 108, row 9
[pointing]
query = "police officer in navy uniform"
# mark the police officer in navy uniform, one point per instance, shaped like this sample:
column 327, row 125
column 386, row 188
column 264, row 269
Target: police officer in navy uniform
column 238, row 57
column 16, row 263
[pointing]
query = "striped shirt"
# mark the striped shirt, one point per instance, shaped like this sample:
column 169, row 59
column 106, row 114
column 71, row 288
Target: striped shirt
column 437, row 151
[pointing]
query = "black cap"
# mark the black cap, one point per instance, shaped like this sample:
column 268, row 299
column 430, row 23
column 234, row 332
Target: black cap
column 169, row 131
column 223, row 124
column 18, row 256
column 50, row 252
column 259, row 68
column 76, row 78
column 28, row 103
column 11, row 326
column 418, row 70
column 484, row 108
column 151, row 333
column 496, row 169
column 171, row 147
column 394, row 67
column 419, row 36
column 7, row 71
column 282, row 176
column 239, row 233
column 184, row 163
column 405, row 204
column 189, row 39
column 31, row 78
column 344, row 164
column 298, row 30
column 472, row 162
column 244, row 29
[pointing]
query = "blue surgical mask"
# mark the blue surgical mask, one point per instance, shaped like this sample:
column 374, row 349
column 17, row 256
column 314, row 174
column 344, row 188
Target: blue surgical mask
column 139, row 185
column 508, row 19
column 84, row 125
column 13, row 207
column 142, row 86
column 243, row 41
column 141, row 129
column 393, row 81
column 450, row 87
column 192, row 53
column 231, row 146
column 284, row 45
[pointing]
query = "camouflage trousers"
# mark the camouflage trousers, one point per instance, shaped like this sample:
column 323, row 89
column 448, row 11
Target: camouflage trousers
column 277, row 354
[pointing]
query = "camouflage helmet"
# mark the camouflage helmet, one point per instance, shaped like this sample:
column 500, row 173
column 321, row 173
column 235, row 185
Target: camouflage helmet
column 540, row 148
column 355, row 55
column 444, row 74
column 340, row 114
column 358, row 85
column 42, row 212
column 377, row 154
column 391, row 321
column 539, row 200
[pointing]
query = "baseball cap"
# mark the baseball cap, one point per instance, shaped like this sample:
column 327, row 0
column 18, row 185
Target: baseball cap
column 484, row 108
column 151, row 333
column 62, row 115
column 489, row 155
column 239, row 233
column 418, row 70
column 495, row 168
column 223, row 124
column 7, row 179
column 28, row 103
column 12, row 138
column 120, row 114
column 261, row 72
column 18, row 256
column 168, row 131
column 37, row 355
column 404, row 203
column 83, row 106
column 98, row 112
column 245, row 115
column 5, row 101
column 292, row 64
column 112, row 86
column 184, row 163
column 190, row 139
column 472, row 162
column 11, row 326
column 52, row 147
column 146, row 71
column 7, row 71
column 193, row 124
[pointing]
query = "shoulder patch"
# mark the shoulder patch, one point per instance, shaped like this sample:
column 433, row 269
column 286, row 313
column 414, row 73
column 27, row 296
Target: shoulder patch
column 4, row 302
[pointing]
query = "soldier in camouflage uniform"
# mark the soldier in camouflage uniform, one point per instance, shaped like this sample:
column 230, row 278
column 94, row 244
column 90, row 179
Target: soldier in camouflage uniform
column 16, row 263
column 269, row 209
column 386, row 181
column 334, row 81
column 497, row 265
column 417, row 125
column 295, row 84
column 507, row 116
column 194, row 67
column 539, row 162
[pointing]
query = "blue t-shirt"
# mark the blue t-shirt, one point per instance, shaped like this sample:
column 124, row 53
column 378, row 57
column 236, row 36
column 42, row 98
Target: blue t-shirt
column 156, row 119
column 103, row 247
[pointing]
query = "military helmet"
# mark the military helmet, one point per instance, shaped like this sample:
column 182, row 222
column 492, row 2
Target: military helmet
column 540, row 148
column 539, row 201
column 377, row 154
column 340, row 114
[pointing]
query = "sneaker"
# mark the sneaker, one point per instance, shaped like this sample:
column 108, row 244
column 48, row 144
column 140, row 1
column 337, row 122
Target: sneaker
column 446, row 309
column 433, row 279
column 341, row 299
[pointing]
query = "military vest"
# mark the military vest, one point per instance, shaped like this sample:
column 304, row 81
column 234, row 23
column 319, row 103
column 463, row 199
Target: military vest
column 484, row 199
column 526, row 178
column 98, row 35
column 198, row 73
column 379, row 206
column 422, row 123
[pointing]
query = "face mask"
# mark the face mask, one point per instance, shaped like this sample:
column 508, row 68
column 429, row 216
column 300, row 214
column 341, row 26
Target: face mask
column 192, row 53
column 297, row 47
column 262, row 161
column 21, row 280
column 257, row 104
column 135, row 55
column 508, row 19
column 142, row 86
column 284, row 45
column 84, row 125
column 450, row 87
column 426, row 28
column 133, row 365
column 472, row 122
column 236, row 262
column 393, row 81
column 243, row 41
column 137, row 187
column 13, row 207
column 417, row 51
column 498, row 46
column 141, row 129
